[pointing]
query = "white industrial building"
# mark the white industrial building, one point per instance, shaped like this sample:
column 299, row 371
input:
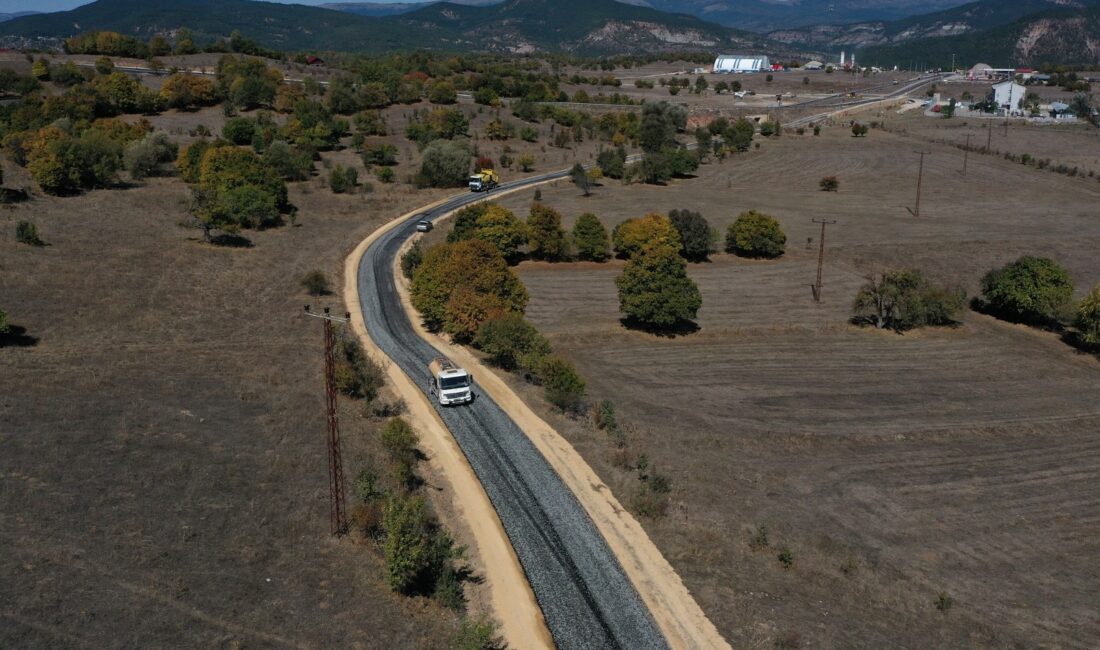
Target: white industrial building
column 727, row 63
column 1009, row 95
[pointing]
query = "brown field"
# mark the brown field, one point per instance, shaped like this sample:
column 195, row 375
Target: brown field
column 162, row 446
column 958, row 460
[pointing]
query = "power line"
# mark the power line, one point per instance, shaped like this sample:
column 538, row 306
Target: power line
column 816, row 287
column 338, row 520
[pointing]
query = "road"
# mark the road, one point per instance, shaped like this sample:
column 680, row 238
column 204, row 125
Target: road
column 900, row 90
column 586, row 598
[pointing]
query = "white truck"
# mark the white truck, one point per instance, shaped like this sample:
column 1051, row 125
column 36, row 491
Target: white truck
column 449, row 383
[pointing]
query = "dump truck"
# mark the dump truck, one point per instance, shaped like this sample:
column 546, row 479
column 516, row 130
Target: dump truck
column 484, row 180
column 449, row 383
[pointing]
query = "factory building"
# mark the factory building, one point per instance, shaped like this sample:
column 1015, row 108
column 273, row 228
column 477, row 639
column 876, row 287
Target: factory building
column 727, row 63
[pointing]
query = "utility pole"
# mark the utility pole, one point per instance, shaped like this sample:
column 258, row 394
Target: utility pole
column 989, row 136
column 1006, row 127
column 920, row 176
column 966, row 153
column 338, row 519
column 816, row 287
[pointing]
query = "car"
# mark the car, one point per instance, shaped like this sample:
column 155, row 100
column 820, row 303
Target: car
column 423, row 225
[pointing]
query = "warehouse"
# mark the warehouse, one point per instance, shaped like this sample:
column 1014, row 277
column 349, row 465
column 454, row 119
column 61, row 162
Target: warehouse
column 737, row 63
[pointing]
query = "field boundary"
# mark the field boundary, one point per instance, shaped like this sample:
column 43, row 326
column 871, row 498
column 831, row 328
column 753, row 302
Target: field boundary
column 677, row 614
column 512, row 599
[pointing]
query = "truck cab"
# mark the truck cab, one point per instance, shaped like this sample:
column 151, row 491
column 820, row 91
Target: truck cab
column 449, row 383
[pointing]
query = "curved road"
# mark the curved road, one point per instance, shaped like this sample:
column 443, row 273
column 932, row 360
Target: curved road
column 587, row 600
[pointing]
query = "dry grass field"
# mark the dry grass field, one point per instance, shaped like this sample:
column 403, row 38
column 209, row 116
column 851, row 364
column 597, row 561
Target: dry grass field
column 957, row 460
column 162, row 455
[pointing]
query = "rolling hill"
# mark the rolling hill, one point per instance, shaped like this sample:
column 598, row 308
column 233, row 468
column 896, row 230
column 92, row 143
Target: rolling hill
column 1053, row 36
column 589, row 27
column 770, row 15
column 964, row 19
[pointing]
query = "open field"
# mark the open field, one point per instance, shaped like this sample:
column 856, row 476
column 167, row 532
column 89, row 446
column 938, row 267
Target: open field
column 894, row 468
column 161, row 450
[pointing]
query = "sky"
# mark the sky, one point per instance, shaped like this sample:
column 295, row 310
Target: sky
column 11, row 6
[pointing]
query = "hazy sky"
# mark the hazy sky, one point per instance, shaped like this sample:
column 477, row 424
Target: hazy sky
column 9, row 6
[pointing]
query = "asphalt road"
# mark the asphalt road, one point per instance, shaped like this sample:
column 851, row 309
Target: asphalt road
column 584, row 594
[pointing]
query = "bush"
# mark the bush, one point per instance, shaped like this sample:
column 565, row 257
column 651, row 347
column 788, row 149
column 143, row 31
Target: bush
column 411, row 259
column 478, row 634
column 561, row 383
column 903, row 300
column 785, row 557
column 655, row 290
column 859, row 130
column 400, row 441
column 590, row 239
column 145, row 157
column 27, row 233
column 385, row 174
column 239, row 130
column 754, row 234
column 545, row 237
column 288, row 162
column 944, row 602
column 407, row 547
column 633, row 235
column 1030, row 290
column 444, row 164
column 696, row 236
column 4, row 326
column 769, row 128
column 65, row 164
column 315, row 283
column 1087, row 320
column 380, row 154
column 356, row 374
column 461, row 285
column 829, row 184
column 511, row 342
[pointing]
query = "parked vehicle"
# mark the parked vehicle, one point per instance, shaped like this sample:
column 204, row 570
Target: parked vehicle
column 449, row 383
column 484, row 180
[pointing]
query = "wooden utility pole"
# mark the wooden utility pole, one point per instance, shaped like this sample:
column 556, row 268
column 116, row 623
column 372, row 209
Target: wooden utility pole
column 966, row 153
column 920, row 177
column 816, row 287
column 989, row 136
column 338, row 520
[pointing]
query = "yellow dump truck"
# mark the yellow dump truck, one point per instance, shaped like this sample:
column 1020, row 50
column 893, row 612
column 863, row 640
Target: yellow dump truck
column 449, row 383
column 484, row 180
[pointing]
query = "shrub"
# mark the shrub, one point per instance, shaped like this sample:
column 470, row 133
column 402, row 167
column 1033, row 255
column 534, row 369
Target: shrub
column 27, row 233
column 754, row 234
column 239, row 130
column 655, row 290
column 859, row 130
column 903, row 300
column 829, row 184
column 590, row 239
column 785, row 557
column 612, row 162
column 633, row 235
column 356, row 374
column 400, row 440
column 817, row 129
column 511, row 342
column 411, row 259
column 64, row 164
column 342, row 179
column 759, row 539
column 1031, row 290
column 561, row 383
column 144, row 157
column 385, row 174
column 1087, row 320
column 769, row 128
column 444, row 164
column 459, row 286
column 545, row 237
column 408, row 542
column 315, row 283
column 527, row 162
column 290, row 163
column 478, row 634
column 696, row 236
column 944, row 602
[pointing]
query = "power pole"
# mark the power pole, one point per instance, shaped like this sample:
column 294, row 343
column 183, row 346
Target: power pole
column 920, row 176
column 989, row 136
column 1006, row 127
column 816, row 288
column 338, row 519
column 966, row 153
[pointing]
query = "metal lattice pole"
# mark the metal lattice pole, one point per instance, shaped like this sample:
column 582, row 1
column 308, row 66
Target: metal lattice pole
column 338, row 520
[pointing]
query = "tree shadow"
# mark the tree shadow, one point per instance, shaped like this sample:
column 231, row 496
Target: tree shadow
column 17, row 337
column 1046, row 324
column 680, row 328
column 9, row 195
column 230, row 240
column 1074, row 339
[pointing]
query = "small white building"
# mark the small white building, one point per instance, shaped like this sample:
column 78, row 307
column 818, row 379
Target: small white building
column 1009, row 95
column 813, row 65
column 727, row 63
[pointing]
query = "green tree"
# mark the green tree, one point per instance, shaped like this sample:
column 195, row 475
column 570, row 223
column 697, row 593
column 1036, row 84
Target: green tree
column 411, row 259
column 500, row 227
column 580, row 178
column 239, row 130
column 612, row 162
column 561, row 383
column 290, row 163
column 1030, row 290
column 145, row 157
column 465, row 222
column 27, row 233
column 754, row 234
column 655, row 290
column 442, row 92
column 1087, row 321
column 104, row 65
column 444, row 164
column 511, row 342
column 590, row 239
column 633, row 235
column 903, row 300
column 545, row 236
column 407, row 547
column 459, row 286
column 696, row 236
